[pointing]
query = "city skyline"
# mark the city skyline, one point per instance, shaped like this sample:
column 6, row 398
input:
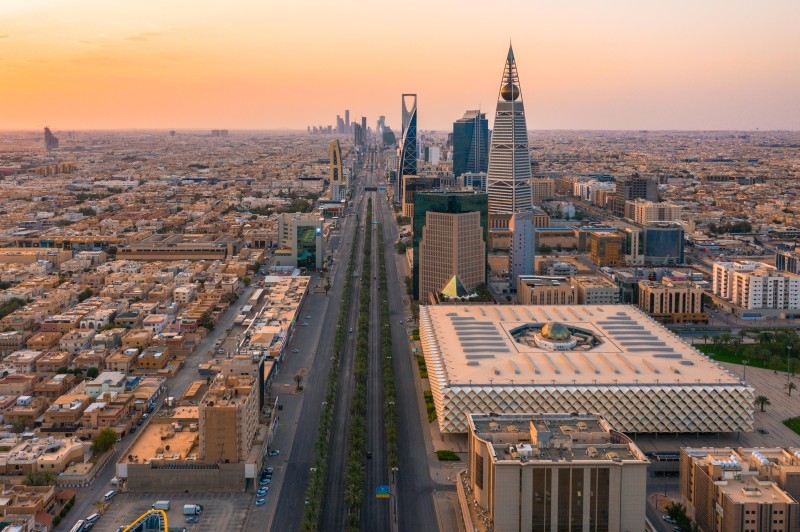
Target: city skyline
column 93, row 65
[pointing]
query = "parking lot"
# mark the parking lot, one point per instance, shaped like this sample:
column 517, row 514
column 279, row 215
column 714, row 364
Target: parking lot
column 221, row 511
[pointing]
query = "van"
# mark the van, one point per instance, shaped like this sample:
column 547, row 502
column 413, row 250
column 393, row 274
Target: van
column 92, row 518
column 110, row 495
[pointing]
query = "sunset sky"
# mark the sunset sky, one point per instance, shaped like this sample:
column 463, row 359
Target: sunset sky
column 268, row 64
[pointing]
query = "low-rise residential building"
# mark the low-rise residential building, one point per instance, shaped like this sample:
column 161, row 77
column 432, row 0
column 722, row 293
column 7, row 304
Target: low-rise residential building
column 55, row 386
column 672, row 300
column 64, row 414
column 42, row 341
column 76, row 340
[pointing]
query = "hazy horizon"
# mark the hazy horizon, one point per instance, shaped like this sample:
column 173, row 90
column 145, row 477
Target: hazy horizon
column 616, row 66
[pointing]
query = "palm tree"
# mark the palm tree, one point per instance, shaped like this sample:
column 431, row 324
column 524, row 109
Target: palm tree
column 298, row 380
column 705, row 339
column 762, row 401
column 789, row 386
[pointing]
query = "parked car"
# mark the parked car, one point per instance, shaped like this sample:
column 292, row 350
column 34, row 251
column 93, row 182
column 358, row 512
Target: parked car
column 261, row 492
column 260, row 502
column 192, row 520
column 274, row 452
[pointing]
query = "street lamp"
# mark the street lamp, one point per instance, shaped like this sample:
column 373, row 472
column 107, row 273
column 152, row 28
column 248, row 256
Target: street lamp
column 788, row 352
column 745, row 362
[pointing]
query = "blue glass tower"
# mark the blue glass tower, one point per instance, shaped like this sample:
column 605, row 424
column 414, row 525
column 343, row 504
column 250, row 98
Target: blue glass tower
column 470, row 144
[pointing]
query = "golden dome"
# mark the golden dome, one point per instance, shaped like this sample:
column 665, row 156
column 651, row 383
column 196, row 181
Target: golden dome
column 555, row 331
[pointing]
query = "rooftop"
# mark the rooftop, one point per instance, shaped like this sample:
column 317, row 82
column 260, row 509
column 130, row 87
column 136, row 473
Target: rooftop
column 483, row 344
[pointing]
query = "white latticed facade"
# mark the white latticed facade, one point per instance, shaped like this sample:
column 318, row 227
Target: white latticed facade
column 625, row 366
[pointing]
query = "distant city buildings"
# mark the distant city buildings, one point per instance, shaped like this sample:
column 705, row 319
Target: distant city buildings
column 50, row 140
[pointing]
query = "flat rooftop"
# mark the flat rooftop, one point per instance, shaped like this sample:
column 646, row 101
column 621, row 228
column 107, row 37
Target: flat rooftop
column 616, row 344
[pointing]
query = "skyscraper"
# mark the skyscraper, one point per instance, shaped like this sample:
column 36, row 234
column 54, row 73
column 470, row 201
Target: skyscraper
column 470, row 143
column 509, row 174
column 408, row 146
column 50, row 140
column 521, row 252
column 347, row 120
column 450, row 232
column 336, row 177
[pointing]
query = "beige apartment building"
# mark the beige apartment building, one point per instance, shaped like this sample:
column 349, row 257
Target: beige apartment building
column 595, row 290
column 544, row 290
column 551, row 472
column 671, row 301
column 734, row 491
column 452, row 245
column 228, row 419
column 644, row 212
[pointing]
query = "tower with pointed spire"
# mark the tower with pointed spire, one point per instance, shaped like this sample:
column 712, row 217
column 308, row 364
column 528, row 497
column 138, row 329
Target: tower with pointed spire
column 508, row 181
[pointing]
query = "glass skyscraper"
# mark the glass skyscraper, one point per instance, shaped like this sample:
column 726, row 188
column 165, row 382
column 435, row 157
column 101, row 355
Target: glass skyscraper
column 470, row 255
column 470, row 144
column 509, row 174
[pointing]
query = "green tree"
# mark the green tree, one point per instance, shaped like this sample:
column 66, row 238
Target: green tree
column 762, row 401
column 85, row 294
column 92, row 373
column 104, row 441
column 246, row 281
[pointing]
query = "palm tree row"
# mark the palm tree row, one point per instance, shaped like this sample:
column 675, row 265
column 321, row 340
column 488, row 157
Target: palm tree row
column 355, row 470
column 316, row 482
column 389, row 395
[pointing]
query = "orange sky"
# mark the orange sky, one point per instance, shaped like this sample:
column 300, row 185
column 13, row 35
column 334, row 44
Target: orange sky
column 90, row 64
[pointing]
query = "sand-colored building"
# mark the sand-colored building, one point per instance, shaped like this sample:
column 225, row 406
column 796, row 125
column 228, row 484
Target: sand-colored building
column 629, row 368
column 542, row 472
column 730, row 491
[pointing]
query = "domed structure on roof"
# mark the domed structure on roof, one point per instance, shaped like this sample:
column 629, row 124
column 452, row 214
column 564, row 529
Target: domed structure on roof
column 509, row 92
column 555, row 331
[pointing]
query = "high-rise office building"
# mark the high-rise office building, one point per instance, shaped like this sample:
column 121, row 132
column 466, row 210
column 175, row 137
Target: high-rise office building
column 470, row 144
column 408, row 145
column 336, row 175
column 632, row 188
column 358, row 135
column 347, row 120
column 509, row 171
column 450, row 232
column 521, row 252
column 50, row 140
column 364, row 126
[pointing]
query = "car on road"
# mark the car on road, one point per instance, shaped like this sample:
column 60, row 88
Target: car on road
column 308, row 317
column 669, row 519
column 274, row 452
column 260, row 502
column 192, row 520
column 295, row 350
column 350, row 329
column 304, row 324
